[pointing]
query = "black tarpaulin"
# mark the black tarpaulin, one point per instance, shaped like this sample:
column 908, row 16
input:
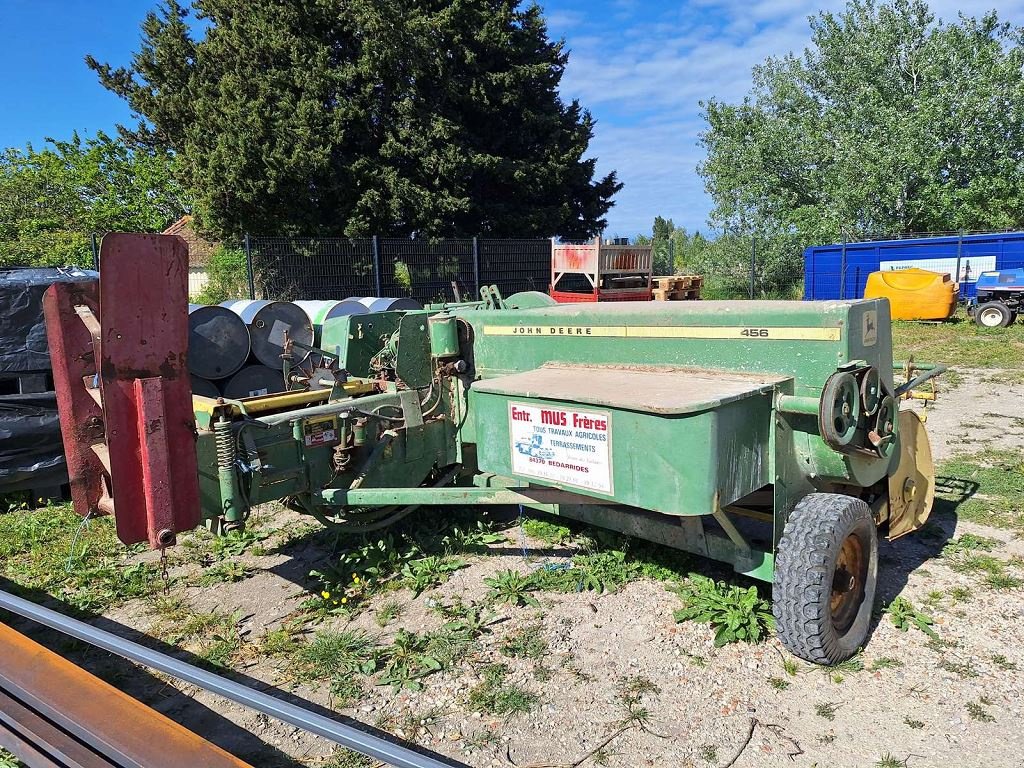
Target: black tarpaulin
column 31, row 452
column 23, row 344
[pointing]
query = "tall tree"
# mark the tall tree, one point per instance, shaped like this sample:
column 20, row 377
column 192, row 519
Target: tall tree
column 360, row 116
column 889, row 122
column 53, row 199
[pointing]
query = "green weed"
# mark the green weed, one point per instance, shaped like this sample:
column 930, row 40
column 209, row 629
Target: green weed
column 778, row 683
column 964, row 669
column 495, row 696
column 709, row 753
column 960, row 594
column 549, row 533
column 334, row 653
column 734, row 613
column 346, row 758
column 427, row 572
column 279, row 642
column 228, row 571
column 388, row 612
column 406, row 661
column 482, row 739
column 977, row 711
column 915, row 725
column 235, row 543
column 885, row 662
column 826, row 710
column 904, row 615
column 1003, row 663
column 969, row 542
column 513, row 587
column 1003, row 581
column 526, row 642
column 346, row 691
column 7, row 760
column 890, row 761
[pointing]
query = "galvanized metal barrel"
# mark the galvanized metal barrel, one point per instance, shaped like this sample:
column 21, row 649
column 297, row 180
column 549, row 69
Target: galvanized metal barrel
column 321, row 311
column 383, row 304
column 204, row 387
column 218, row 341
column 253, row 381
column 269, row 323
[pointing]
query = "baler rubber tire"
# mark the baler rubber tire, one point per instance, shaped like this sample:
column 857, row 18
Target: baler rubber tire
column 805, row 566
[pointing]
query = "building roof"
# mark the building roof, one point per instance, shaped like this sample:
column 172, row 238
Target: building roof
column 199, row 248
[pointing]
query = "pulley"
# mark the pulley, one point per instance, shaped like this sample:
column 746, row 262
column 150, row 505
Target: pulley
column 839, row 412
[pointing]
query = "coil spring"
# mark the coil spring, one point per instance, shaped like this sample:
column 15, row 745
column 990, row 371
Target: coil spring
column 225, row 443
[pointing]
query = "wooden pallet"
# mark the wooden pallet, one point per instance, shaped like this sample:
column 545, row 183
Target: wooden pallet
column 689, row 294
column 670, row 283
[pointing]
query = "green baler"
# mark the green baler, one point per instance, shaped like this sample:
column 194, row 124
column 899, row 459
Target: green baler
column 762, row 434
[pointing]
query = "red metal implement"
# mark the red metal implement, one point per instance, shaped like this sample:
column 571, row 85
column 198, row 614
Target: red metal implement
column 129, row 432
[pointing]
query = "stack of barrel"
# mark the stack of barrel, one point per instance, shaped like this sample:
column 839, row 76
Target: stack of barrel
column 235, row 349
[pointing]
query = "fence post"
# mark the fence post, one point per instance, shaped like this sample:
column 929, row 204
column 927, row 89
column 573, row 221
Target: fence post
column 248, row 268
column 476, row 267
column 95, row 252
column 959, row 254
column 842, row 272
column 376, row 265
column 753, row 263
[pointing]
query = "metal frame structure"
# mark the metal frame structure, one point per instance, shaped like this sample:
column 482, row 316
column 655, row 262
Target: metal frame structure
column 603, row 266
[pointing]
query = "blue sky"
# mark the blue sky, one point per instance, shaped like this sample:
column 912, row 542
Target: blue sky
column 640, row 67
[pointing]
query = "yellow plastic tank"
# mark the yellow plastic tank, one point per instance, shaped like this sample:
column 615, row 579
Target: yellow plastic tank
column 914, row 294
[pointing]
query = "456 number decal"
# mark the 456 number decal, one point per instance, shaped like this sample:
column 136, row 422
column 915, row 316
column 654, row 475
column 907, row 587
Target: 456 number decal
column 757, row 333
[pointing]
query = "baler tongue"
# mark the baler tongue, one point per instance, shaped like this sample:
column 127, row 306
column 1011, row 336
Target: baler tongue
column 119, row 351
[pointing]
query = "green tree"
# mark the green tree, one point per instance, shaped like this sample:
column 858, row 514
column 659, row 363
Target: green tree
column 889, row 122
column 52, row 200
column 361, row 116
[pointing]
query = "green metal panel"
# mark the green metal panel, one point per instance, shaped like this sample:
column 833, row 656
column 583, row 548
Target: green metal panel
column 641, row 333
column 678, row 465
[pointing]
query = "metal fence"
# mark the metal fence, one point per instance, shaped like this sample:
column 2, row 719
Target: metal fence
column 291, row 268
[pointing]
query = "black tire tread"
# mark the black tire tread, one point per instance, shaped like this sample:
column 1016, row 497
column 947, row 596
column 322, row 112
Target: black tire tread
column 804, row 559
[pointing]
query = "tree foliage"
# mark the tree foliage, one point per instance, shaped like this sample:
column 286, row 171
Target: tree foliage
column 363, row 116
column 52, row 200
column 889, row 122
column 725, row 261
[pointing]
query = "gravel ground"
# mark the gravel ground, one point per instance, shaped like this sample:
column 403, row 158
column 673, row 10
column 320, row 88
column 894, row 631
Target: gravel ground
column 916, row 702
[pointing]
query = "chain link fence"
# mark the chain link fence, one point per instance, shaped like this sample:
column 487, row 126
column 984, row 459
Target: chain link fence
column 289, row 268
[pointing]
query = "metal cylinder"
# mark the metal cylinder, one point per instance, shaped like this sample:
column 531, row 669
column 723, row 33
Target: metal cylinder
column 254, row 381
column 444, row 335
column 218, row 341
column 381, row 304
column 270, row 322
column 321, row 311
column 204, row 387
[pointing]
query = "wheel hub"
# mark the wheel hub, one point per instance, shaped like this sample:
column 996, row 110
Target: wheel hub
column 848, row 582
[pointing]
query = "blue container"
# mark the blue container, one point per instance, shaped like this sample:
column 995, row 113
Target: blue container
column 841, row 271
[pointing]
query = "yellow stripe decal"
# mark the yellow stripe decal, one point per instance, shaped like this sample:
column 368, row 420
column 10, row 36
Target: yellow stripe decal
column 738, row 332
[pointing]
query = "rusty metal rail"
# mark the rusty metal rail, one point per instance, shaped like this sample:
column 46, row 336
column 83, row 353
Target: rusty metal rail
column 368, row 742
column 53, row 713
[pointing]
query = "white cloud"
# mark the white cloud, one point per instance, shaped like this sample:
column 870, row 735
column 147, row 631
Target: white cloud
column 643, row 83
